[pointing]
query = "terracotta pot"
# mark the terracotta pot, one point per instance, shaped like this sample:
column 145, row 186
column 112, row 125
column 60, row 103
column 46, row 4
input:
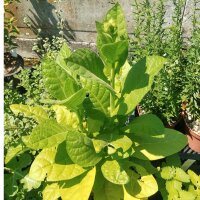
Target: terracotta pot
column 193, row 138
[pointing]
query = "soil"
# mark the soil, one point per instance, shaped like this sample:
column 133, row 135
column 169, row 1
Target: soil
column 12, row 64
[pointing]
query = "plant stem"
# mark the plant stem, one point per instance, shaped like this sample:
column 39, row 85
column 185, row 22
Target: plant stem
column 112, row 82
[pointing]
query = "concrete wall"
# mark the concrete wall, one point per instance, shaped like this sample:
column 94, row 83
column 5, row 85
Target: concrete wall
column 79, row 16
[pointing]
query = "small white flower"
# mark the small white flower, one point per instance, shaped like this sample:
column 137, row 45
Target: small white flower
column 61, row 33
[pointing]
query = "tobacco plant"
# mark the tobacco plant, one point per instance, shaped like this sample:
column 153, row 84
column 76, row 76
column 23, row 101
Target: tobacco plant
column 87, row 148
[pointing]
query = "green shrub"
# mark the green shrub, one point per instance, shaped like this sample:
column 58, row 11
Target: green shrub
column 10, row 29
column 191, row 80
column 153, row 36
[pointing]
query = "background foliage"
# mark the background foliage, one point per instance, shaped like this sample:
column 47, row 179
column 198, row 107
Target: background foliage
column 177, row 82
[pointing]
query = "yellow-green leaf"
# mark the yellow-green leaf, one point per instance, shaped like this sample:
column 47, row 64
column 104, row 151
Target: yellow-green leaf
column 138, row 82
column 58, row 82
column 127, row 196
column 99, row 145
column 153, row 147
column 36, row 112
column 108, row 191
column 65, row 117
column 168, row 172
column 114, row 172
column 145, row 124
column 51, row 192
column 81, row 150
column 80, row 190
column 195, row 179
column 64, row 53
column 142, row 187
column 45, row 165
column 181, row 176
column 12, row 152
column 42, row 164
column 45, row 135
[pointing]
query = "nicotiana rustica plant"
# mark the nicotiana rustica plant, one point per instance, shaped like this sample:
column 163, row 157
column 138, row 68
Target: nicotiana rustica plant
column 87, row 148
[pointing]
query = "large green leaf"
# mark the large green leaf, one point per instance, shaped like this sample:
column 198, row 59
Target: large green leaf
column 113, row 24
column 77, row 188
column 116, row 52
column 138, row 82
column 108, row 191
column 59, row 84
column 51, row 192
column 36, row 112
column 121, row 142
column 112, row 38
column 140, row 187
column 127, row 196
column 74, row 190
column 145, row 164
column 116, row 141
column 155, row 147
column 88, row 65
column 145, row 124
column 65, row 117
column 113, row 171
column 73, row 102
column 54, row 164
column 95, row 120
column 102, row 38
column 99, row 95
column 64, row 53
column 45, row 135
column 81, row 150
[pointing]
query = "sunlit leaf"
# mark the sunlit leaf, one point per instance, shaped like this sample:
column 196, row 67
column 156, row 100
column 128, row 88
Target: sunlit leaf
column 47, row 164
column 59, row 84
column 140, row 187
column 80, row 190
column 51, row 192
column 114, row 172
column 155, row 147
column 145, row 124
column 45, row 135
column 36, row 112
column 81, row 150
column 65, row 117
column 138, row 82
